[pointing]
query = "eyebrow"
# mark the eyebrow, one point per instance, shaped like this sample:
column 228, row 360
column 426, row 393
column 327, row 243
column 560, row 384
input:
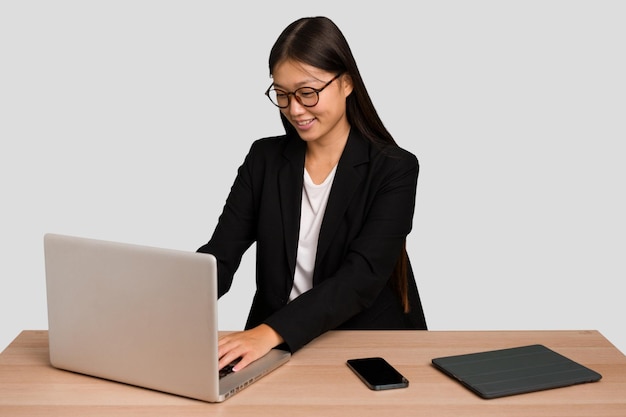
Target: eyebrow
column 300, row 84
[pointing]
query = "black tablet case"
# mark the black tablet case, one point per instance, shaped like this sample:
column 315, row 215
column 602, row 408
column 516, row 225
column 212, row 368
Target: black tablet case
column 518, row 370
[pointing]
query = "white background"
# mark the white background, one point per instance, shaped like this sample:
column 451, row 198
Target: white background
column 126, row 120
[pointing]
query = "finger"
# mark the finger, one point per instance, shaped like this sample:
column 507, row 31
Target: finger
column 245, row 361
column 226, row 359
column 227, row 353
column 228, row 344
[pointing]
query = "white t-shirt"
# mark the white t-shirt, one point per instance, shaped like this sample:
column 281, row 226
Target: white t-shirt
column 314, row 199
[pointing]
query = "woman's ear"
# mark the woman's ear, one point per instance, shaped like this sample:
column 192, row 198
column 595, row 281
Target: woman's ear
column 346, row 83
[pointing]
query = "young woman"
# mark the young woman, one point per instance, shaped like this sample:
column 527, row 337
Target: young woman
column 329, row 205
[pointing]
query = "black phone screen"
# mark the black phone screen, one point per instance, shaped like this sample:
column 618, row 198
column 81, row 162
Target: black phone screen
column 377, row 373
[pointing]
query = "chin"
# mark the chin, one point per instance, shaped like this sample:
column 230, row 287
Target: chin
column 307, row 136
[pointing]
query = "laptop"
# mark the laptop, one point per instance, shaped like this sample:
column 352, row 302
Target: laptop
column 517, row 370
column 140, row 315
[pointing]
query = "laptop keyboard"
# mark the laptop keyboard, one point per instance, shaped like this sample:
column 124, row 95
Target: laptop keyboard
column 228, row 369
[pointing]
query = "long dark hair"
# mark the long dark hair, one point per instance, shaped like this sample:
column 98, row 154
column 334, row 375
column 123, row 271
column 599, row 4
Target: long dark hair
column 318, row 42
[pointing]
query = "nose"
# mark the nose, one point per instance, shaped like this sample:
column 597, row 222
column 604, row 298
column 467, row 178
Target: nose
column 295, row 107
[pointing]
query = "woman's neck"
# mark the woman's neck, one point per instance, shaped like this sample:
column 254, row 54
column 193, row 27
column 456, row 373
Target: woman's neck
column 322, row 157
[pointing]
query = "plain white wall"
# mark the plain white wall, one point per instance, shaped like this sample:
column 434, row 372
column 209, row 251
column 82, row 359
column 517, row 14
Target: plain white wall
column 126, row 120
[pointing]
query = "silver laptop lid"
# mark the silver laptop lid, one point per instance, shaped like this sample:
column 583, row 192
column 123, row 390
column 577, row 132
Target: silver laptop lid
column 134, row 314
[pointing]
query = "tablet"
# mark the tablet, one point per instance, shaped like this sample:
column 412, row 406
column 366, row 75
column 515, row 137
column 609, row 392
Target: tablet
column 499, row 373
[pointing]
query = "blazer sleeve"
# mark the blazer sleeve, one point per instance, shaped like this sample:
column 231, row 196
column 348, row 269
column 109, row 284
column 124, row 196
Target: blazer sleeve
column 235, row 231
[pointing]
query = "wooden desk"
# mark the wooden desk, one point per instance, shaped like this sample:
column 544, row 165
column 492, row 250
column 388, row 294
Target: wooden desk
column 316, row 381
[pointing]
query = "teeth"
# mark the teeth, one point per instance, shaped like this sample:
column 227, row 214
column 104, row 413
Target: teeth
column 305, row 122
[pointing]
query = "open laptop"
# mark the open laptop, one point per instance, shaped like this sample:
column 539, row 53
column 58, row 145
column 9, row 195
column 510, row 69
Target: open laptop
column 140, row 315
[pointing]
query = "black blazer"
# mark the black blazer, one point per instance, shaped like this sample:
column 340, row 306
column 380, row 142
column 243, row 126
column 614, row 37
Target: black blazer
column 368, row 216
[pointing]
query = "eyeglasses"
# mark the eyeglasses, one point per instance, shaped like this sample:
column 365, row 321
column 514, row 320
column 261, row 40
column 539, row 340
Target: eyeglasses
column 306, row 96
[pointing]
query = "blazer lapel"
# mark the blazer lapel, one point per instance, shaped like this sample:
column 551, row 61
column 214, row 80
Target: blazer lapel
column 347, row 178
column 290, row 182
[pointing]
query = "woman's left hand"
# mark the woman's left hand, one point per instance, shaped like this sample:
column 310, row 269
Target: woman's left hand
column 249, row 345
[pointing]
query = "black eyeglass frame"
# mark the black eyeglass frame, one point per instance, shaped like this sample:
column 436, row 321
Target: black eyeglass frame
column 294, row 93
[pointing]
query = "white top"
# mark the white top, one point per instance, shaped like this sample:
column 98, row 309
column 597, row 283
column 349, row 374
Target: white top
column 314, row 199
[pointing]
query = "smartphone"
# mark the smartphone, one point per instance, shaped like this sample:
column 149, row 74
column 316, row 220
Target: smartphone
column 377, row 373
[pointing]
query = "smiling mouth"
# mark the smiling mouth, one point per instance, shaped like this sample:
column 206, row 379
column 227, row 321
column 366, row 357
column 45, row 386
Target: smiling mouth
column 304, row 123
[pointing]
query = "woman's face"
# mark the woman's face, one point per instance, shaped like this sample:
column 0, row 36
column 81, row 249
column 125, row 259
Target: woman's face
column 327, row 120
